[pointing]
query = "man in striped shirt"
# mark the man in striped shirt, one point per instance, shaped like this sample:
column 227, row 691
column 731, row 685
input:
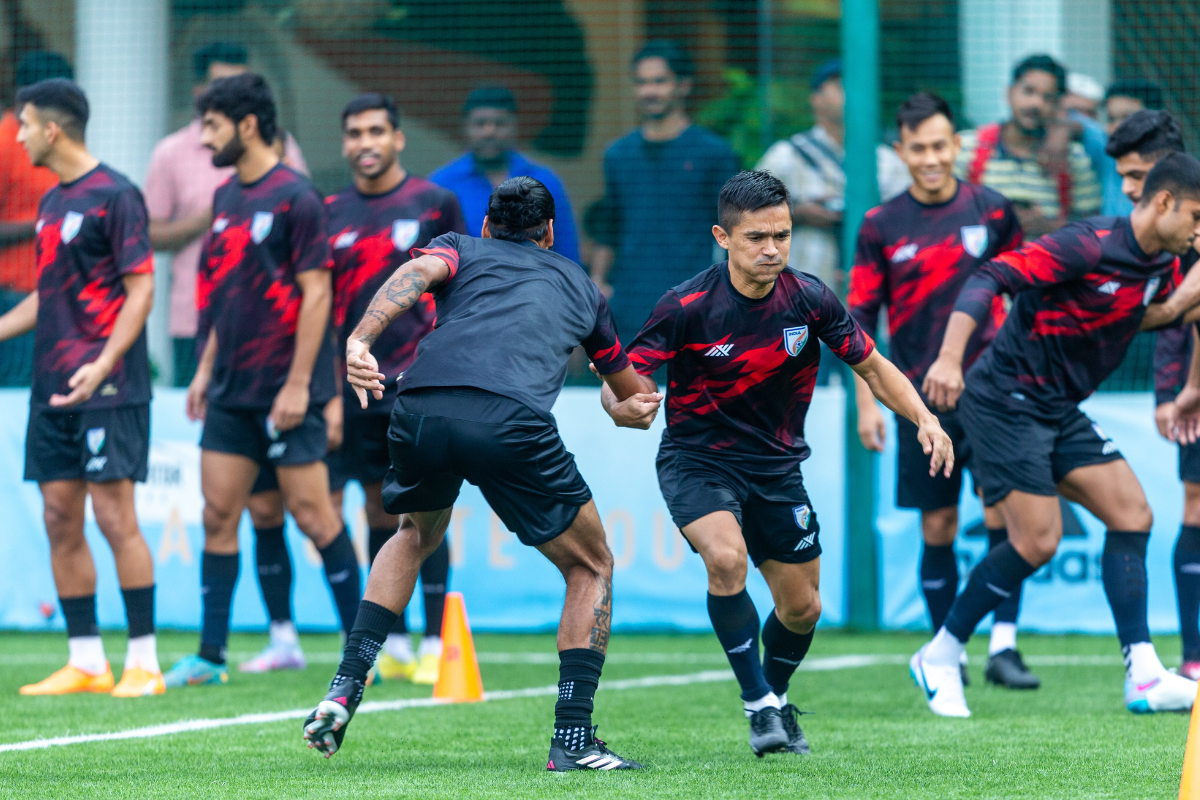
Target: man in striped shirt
column 1046, row 191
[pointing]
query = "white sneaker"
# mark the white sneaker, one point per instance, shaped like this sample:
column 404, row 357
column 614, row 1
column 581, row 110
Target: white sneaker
column 942, row 686
column 275, row 657
column 1167, row 692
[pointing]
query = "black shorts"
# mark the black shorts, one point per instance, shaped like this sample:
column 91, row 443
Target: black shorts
column 440, row 437
column 243, row 432
column 1189, row 462
column 268, row 480
column 915, row 487
column 778, row 521
column 365, row 456
column 1018, row 452
column 105, row 444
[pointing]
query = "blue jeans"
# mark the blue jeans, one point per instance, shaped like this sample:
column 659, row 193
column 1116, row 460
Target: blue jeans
column 16, row 355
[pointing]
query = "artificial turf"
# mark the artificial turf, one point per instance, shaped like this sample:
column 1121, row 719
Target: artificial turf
column 870, row 731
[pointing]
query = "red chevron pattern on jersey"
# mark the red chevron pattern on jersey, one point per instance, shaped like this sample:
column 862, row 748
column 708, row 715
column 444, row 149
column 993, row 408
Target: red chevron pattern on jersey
column 91, row 233
column 263, row 235
column 914, row 259
column 741, row 372
column 1079, row 297
column 370, row 236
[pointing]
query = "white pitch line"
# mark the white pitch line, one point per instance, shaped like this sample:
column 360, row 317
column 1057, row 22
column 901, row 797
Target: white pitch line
column 376, row 706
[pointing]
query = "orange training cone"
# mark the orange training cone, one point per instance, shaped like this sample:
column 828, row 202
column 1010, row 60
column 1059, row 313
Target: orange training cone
column 458, row 674
column 1189, row 786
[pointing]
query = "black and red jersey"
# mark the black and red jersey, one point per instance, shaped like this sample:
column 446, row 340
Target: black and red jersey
column 370, row 236
column 91, row 233
column 914, row 259
column 741, row 372
column 263, row 235
column 1079, row 297
column 1173, row 350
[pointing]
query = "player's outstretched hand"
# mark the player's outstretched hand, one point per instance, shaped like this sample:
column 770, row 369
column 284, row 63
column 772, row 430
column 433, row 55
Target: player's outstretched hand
column 197, row 398
column 290, row 406
column 83, row 385
column 872, row 431
column 362, row 370
column 1187, row 416
column 943, row 384
column 637, row 411
column 937, row 445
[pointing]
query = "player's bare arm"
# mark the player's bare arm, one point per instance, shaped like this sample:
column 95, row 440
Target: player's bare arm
column 895, row 391
column 943, row 383
column 397, row 295
column 20, row 319
column 197, row 393
column 291, row 404
column 1185, row 300
column 872, row 431
column 1186, row 423
column 139, row 297
column 632, row 400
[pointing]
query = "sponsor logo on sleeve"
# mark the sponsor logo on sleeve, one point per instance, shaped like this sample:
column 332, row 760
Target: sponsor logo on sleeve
column 719, row 350
column 260, row 226
column 794, row 339
column 974, row 239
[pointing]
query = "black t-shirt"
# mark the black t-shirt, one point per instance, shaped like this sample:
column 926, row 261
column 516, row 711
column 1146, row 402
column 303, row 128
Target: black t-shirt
column 263, row 235
column 508, row 318
column 90, row 234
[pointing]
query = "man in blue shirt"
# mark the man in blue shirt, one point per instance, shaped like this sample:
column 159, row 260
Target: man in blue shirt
column 490, row 125
column 662, row 181
column 1123, row 99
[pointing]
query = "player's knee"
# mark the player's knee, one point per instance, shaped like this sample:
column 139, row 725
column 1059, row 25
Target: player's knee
column 800, row 616
column 939, row 526
column 1141, row 517
column 61, row 519
column 116, row 521
column 726, row 567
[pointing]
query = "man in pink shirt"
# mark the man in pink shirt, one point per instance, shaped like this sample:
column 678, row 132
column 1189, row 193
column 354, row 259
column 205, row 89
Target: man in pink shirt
column 179, row 192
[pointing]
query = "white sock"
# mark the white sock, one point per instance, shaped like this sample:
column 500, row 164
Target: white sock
column 399, row 647
column 768, row 700
column 1004, row 637
column 142, row 653
column 783, row 700
column 944, row 650
column 1141, row 663
column 87, row 654
column 430, row 645
column 283, row 634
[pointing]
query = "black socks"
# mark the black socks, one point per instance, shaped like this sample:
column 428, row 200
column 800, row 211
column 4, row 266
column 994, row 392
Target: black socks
column 993, row 581
column 341, row 570
column 139, row 610
column 1010, row 607
column 80, row 614
column 1123, row 568
column 218, row 577
column 1187, row 590
column 783, row 650
column 578, row 676
column 735, row 621
column 435, row 574
column 939, row 582
column 274, row 572
column 371, row 628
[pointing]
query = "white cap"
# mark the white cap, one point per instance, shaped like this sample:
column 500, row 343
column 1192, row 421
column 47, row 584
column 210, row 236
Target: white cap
column 1085, row 86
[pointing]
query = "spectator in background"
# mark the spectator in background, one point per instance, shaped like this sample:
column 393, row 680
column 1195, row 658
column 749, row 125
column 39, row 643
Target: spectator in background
column 1084, row 94
column 490, row 126
column 810, row 165
column 1127, row 97
column 1047, row 192
column 662, row 181
column 21, row 188
column 179, row 192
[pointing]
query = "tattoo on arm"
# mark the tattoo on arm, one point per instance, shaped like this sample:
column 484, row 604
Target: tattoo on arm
column 603, row 613
column 397, row 295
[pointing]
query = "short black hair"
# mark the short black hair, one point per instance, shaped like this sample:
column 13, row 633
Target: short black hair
column 372, row 101
column 493, row 96
column 1177, row 173
column 920, row 107
column 1150, row 134
column 1149, row 92
column 678, row 61
column 1042, row 63
column 749, row 191
column 239, row 96
column 60, row 100
column 520, row 209
column 217, row 52
column 42, row 65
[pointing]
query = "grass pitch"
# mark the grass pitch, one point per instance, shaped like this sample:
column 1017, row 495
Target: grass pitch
column 870, row 731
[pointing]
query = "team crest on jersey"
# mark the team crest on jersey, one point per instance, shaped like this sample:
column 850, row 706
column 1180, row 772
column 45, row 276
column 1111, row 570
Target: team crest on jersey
column 260, row 226
column 1151, row 290
column 72, row 221
column 95, row 440
column 404, row 233
column 974, row 239
column 802, row 512
column 794, row 339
